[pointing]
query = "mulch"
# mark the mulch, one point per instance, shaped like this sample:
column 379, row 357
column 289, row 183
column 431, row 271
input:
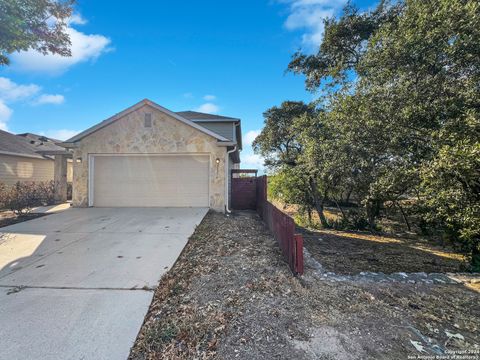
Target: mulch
column 9, row 218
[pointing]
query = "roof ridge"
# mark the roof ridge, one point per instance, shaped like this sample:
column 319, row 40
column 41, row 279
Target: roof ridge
column 136, row 106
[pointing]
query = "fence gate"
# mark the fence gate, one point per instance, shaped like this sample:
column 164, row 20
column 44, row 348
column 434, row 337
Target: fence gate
column 244, row 189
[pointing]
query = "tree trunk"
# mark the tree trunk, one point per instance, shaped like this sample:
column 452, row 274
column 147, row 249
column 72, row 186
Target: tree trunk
column 373, row 209
column 318, row 203
column 309, row 214
column 321, row 214
column 475, row 262
column 347, row 200
column 404, row 216
column 341, row 210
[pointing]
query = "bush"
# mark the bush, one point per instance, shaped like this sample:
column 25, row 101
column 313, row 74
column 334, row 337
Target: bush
column 69, row 191
column 23, row 196
column 3, row 191
column 45, row 193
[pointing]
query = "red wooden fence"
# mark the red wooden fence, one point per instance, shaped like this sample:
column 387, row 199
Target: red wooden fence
column 282, row 226
column 243, row 189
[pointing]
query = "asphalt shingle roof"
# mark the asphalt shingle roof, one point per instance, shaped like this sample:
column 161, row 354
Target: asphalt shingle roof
column 26, row 144
column 40, row 142
column 195, row 115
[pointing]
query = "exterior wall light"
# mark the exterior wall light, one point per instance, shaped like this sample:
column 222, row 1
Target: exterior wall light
column 78, row 160
column 217, row 160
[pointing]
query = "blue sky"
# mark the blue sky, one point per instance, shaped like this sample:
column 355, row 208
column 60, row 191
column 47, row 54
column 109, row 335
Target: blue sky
column 226, row 57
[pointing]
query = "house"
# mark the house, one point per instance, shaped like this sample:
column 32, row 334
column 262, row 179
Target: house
column 20, row 159
column 148, row 156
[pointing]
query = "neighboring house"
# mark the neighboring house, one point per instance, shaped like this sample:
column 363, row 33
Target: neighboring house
column 20, row 159
column 148, row 156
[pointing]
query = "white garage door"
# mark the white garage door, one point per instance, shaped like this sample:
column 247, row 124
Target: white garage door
column 151, row 180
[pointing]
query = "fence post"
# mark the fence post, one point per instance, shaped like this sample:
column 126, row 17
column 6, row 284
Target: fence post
column 298, row 253
column 265, row 188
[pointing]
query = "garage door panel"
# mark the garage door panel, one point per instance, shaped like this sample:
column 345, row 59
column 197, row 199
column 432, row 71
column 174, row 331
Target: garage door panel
column 153, row 180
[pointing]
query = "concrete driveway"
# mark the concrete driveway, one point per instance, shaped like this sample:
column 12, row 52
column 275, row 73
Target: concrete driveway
column 77, row 284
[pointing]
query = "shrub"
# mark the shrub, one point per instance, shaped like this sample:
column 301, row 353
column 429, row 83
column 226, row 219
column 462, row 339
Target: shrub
column 45, row 192
column 69, row 191
column 23, row 196
column 3, row 191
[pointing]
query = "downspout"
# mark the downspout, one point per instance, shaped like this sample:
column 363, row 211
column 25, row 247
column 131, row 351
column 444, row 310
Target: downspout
column 227, row 209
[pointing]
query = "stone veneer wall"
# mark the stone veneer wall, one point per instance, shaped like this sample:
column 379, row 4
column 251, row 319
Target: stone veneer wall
column 128, row 135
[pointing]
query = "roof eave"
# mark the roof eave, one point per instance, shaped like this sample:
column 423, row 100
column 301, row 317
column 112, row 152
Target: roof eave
column 227, row 143
column 33, row 156
column 69, row 145
column 238, row 130
column 55, row 152
column 138, row 105
column 216, row 120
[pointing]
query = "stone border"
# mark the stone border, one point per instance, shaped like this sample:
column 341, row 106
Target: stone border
column 400, row 277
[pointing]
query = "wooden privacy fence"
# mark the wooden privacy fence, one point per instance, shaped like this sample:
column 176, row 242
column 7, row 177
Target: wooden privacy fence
column 282, row 226
column 243, row 189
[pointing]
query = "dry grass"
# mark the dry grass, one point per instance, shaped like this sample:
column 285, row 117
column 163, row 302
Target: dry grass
column 231, row 296
column 352, row 252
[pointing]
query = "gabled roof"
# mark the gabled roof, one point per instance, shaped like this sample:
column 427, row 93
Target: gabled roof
column 195, row 115
column 20, row 145
column 200, row 117
column 136, row 107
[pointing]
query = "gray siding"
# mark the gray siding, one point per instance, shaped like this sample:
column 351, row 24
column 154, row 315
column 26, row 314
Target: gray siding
column 230, row 167
column 225, row 129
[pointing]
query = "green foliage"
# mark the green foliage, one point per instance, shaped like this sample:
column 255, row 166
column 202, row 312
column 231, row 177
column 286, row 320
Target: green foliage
column 162, row 335
column 278, row 140
column 401, row 118
column 34, row 24
column 288, row 185
column 452, row 191
column 343, row 45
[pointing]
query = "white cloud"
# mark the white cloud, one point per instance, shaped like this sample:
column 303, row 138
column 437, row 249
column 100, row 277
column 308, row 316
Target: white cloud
column 250, row 136
column 10, row 91
column 5, row 113
column 49, row 99
column 84, row 47
column 62, row 134
column 251, row 161
column 209, row 108
column 209, row 97
column 77, row 19
column 309, row 15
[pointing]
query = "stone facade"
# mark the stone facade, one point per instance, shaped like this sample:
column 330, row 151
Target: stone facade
column 128, row 135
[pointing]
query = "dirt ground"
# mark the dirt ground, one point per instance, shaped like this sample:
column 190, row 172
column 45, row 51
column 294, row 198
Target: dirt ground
column 352, row 252
column 9, row 218
column 231, row 296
